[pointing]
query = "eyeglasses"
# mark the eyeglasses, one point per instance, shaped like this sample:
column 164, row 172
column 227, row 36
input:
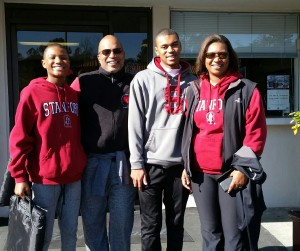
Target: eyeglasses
column 107, row 52
column 220, row 55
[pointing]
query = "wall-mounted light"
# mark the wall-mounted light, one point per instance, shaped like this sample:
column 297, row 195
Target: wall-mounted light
column 48, row 43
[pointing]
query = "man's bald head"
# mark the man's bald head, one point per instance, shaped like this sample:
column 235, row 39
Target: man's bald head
column 108, row 39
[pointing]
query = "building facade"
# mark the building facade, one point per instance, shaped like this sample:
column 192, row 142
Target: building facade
column 264, row 33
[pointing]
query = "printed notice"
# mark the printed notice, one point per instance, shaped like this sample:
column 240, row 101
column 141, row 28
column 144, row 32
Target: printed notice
column 278, row 99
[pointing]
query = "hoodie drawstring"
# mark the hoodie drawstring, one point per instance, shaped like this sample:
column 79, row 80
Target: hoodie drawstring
column 210, row 100
column 59, row 96
column 169, row 97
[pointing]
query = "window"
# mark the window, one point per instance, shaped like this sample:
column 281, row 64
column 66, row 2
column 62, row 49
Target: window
column 265, row 43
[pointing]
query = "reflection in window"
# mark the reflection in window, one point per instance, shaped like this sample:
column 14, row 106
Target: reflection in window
column 82, row 48
column 136, row 50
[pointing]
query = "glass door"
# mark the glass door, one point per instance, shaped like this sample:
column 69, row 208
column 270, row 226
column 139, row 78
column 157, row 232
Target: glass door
column 28, row 31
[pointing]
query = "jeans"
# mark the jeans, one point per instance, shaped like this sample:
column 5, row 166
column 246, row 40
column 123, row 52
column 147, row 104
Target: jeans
column 63, row 200
column 103, row 191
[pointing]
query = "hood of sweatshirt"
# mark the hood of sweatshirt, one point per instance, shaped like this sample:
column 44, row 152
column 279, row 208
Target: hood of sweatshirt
column 224, row 82
column 172, row 91
column 155, row 66
column 42, row 83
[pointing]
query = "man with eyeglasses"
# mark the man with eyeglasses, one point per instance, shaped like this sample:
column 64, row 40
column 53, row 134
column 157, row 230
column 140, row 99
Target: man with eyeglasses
column 106, row 183
column 156, row 117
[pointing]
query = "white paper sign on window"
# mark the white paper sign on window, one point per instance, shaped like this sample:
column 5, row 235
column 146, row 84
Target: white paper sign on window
column 278, row 100
column 278, row 93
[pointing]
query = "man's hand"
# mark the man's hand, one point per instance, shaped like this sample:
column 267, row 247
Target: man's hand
column 186, row 181
column 22, row 189
column 139, row 177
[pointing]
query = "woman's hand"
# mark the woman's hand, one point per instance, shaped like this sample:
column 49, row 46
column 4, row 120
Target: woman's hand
column 239, row 180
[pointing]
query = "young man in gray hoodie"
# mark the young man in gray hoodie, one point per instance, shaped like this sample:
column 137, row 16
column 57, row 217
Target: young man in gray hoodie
column 156, row 117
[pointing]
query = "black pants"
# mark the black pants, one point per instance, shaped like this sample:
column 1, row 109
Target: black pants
column 218, row 217
column 164, row 185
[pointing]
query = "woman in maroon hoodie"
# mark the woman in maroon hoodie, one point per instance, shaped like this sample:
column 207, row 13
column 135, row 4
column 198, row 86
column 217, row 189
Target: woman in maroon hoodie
column 45, row 146
column 225, row 132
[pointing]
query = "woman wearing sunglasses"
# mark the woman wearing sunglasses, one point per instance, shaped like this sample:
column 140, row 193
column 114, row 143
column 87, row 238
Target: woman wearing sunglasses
column 224, row 137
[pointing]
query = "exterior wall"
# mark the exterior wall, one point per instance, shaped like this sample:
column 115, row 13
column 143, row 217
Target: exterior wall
column 281, row 159
column 161, row 18
column 4, row 124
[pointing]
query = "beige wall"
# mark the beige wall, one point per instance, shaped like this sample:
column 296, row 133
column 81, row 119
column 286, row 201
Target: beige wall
column 281, row 160
column 4, row 121
column 161, row 18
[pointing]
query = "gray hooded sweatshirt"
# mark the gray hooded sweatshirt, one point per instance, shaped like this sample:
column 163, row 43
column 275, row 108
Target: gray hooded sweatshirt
column 156, row 115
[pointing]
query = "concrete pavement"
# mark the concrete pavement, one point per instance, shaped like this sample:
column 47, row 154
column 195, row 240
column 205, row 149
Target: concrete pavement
column 276, row 232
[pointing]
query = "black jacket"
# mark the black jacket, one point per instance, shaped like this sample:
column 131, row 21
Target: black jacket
column 103, row 104
column 250, row 200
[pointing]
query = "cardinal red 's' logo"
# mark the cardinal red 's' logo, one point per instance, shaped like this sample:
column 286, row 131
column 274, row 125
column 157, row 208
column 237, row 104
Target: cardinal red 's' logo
column 125, row 100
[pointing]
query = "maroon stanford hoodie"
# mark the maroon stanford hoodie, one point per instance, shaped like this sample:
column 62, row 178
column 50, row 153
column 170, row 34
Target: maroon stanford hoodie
column 45, row 141
column 208, row 119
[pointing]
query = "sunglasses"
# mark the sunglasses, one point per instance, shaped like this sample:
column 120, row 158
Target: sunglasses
column 107, row 52
column 220, row 55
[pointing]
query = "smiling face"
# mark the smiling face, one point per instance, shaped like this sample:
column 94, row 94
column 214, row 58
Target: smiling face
column 217, row 60
column 168, row 48
column 111, row 54
column 56, row 62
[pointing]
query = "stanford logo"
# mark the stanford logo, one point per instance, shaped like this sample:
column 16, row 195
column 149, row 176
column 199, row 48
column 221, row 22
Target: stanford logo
column 67, row 121
column 210, row 118
column 125, row 100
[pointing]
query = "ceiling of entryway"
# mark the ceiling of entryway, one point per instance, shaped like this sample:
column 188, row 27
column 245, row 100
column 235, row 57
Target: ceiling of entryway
column 204, row 5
